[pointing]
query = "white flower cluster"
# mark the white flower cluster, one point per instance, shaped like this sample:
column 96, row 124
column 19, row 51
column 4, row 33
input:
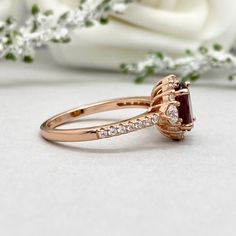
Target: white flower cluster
column 44, row 27
column 189, row 67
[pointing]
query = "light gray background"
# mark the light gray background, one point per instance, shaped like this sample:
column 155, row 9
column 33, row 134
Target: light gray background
column 138, row 184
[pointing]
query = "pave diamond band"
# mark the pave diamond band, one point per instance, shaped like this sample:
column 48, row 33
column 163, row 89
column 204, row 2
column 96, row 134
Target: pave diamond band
column 131, row 126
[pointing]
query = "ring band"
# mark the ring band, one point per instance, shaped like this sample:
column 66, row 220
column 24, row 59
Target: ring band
column 49, row 132
column 168, row 108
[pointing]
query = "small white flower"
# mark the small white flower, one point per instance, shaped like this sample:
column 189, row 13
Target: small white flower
column 119, row 8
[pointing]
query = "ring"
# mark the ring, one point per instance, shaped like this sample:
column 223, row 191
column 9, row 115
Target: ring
column 168, row 108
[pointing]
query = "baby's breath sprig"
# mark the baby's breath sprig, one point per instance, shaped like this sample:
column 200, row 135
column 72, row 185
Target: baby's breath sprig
column 19, row 43
column 189, row 67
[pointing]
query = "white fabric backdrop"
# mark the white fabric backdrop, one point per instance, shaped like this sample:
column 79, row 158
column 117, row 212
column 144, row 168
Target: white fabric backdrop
column 11, row 8
column 170, row 26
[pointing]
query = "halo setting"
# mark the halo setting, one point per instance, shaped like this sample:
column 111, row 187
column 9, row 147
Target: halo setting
column 171, row 99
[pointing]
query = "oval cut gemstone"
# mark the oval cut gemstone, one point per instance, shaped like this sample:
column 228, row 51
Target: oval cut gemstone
column 185, row 108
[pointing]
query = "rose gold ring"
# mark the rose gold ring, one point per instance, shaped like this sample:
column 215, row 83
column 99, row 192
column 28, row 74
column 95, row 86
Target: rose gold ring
column 168, row 108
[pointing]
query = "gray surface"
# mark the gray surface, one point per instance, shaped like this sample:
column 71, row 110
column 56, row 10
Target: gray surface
column 138, row 184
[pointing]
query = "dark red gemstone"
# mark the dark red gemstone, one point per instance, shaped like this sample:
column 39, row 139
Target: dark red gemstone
column 185, row 108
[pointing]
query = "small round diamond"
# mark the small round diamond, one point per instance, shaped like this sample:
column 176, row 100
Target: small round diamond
column 130, row 127
column 172, row 113
column 155, row 119
column 138, row 124
column 172, row 78
column 144, row 123
column 102, row 133
column 171, row 86
column 147, row 121
column 121, row 129
column 112, row 131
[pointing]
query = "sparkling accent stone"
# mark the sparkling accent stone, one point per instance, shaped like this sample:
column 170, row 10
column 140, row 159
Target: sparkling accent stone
column 102, row 133
column 121, row 129
column 172, row 78
column 130, row 127
column 172, row 113
column 144, row 123
column 138, row 124
column 185, row 108
column 147, row 122
column 112, row 131
column 155, row 119
column 171, row 86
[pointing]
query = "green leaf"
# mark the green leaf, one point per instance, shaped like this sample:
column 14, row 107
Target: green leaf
column 228, row 60
column 106, row 1
column 65, row 40
column 123, row 68
column 48, row 13
column 160, row 55
column 103, row 4
column 191, row 77
column 28, row 59
column 55, row 40
column 232, row 77
column 217, row 47
column 89, row 23
column 9, row 40
column 188, row 52
column 215, row 60
column 10, row 20
column 35, row 10
column 140, row 79
column 10, row 56
column 82, row 2
column 1, row 28
column 202, row 50
column 104, row 21
column 63, row 16
column 34, row 27
column 149, row 70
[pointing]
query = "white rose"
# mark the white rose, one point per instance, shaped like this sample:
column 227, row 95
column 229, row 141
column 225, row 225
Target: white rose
column 170, row 26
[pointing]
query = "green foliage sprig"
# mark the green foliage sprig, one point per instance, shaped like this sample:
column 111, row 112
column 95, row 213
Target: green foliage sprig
column 19, row 42
column 189, row 67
